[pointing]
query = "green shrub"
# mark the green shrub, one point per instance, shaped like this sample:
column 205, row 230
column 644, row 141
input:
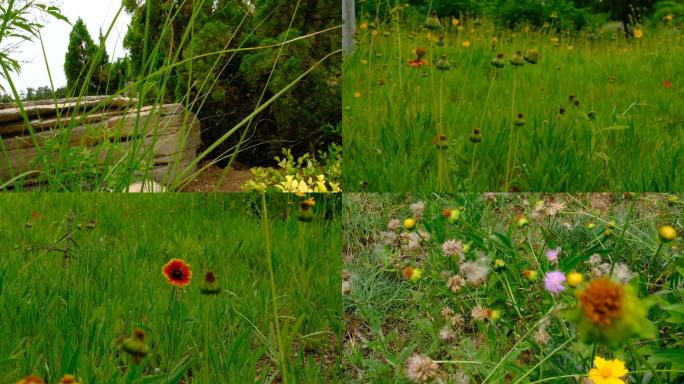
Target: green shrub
column 664, row 9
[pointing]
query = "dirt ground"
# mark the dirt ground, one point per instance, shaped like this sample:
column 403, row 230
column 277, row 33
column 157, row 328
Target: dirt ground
column 207, row 180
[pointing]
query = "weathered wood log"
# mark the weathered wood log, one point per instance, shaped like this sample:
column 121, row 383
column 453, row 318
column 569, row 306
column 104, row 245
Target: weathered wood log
column 162, row 136
column 47, row 110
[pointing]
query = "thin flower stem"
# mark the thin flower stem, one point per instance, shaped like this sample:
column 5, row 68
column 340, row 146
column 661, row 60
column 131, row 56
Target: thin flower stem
column 636, row 355
column 510, row 136
column 621, row 239
column 269, row 262
column 543, row 360
column 458, row 362
column 510, row 292
column 520, row 340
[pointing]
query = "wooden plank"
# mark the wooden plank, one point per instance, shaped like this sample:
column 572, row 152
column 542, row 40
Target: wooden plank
column 18, row 127
column 46, row 110
column 163, row 147
column 93, row 133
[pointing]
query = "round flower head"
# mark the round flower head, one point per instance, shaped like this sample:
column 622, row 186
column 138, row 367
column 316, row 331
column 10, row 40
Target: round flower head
column 517, row 59
column 455, row 283
column 135, row 345
column 443, row 64
column 454, row 248
column 409, row 223
column 394, row 225
column 452, row 215
column 421, row 369
column 530, row 275
column 475, row 272
column 412, row 274
column 552, row 255
column 522, row 221
column 610, row 313
column 667, row 233
column 607, row 371
column 476, row 137
column 519, row 120
column 177, row 272
column 532, row 56
column 498, row 61
column 575, row 279
column 447, row 334
column 480, row 313
column 210, row 286
column 70, row 379
column 31, row 380
column 553, row 282
column 432, row 22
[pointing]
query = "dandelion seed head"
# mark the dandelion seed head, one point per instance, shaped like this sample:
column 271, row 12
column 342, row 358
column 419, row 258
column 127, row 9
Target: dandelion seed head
column 394, row 225
column 453, row 248
column 421, row 369
column 455, row 283
column 480, row 313
column 418, row 208
column 447, row 334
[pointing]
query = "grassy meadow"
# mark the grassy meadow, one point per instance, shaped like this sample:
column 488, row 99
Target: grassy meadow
column 598, row 111
column 513, row 288
column 80, row 273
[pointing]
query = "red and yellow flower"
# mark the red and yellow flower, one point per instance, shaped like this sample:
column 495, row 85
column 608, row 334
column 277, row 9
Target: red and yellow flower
column 177, row 272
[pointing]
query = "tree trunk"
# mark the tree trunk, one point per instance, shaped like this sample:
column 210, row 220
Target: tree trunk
column 348, row 18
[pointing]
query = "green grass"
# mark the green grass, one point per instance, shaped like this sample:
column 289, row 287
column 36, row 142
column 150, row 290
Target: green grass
column 390, row 318
column 633, row 144
column 58, row 320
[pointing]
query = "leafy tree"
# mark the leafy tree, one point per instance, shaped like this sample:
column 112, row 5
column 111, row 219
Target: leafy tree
column 81, row 55
column 166, row 24
column 229, row 86
column 119, row 75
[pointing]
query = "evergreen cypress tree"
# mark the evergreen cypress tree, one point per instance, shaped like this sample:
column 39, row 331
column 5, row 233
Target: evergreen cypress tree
column 80, row 55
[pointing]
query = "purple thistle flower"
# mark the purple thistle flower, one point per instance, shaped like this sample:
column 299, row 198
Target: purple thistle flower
column 553, row 282
column 552, row 255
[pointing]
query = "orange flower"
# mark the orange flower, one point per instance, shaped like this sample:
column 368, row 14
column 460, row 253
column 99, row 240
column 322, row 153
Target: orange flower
column 177, row 272
column 417, row 63
column 602, row 301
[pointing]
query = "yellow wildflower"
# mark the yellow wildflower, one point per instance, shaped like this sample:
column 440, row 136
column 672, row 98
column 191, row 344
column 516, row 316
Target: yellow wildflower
column 455, row 22
column 409, row 223
column 638, row 33
column 608, row 371
column 466, row 44
column 412, row 274
column 667, row 233
column 357, row 94
column 363, row 26
column 575, row 279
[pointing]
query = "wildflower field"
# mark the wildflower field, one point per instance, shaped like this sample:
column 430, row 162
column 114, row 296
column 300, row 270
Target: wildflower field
column 513, row 288
column 169, row 289
column 462, row 105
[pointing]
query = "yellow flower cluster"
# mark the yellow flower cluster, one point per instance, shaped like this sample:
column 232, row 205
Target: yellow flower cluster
column 320, row 185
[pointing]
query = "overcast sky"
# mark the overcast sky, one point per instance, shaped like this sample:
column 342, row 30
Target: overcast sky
column 96, row 14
